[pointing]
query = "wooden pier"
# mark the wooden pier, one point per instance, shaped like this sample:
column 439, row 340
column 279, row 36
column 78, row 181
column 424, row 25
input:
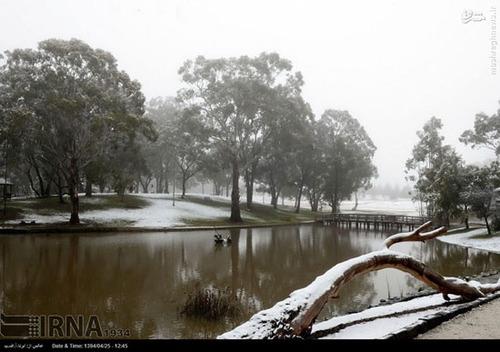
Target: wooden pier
column 373, row 221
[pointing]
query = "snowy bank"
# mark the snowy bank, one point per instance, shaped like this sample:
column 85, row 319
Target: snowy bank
column 160, row 212
column 475, row 238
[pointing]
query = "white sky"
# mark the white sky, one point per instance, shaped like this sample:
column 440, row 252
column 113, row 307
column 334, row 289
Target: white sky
column 392, row 64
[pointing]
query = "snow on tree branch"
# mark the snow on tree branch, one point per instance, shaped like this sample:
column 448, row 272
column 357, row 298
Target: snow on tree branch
column 295, row 315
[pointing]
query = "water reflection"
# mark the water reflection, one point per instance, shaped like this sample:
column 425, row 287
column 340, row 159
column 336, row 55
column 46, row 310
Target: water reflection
column 140, row 281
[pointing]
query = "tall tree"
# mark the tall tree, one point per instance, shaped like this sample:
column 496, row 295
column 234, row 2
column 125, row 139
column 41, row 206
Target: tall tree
column 348, row 152
column 436, row 168
column 163, row 111
column 232, row 97
column 478, row 189
column 188, row 140
column 78, row 102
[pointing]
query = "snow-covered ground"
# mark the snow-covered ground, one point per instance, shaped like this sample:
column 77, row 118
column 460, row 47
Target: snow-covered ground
column 161, row 212
column 476, row 238
column 377, row 322
column 376, row 205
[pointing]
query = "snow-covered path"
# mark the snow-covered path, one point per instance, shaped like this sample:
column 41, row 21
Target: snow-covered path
column 377, row 322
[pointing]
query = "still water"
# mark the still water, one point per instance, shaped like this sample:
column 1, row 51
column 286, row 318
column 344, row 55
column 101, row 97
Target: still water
column 139, row 281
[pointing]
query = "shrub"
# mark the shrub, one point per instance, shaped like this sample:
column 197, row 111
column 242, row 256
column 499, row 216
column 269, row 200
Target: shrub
column 211, row 304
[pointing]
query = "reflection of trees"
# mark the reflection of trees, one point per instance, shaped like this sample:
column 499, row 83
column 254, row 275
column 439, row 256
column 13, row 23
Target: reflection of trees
column 138, row 281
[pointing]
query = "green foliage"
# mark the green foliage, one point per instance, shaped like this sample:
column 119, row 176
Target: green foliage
column 236, row 99
column 436, row 169
column 478, row 186
column 67, row 104
column 486, row 132
column 347, row 153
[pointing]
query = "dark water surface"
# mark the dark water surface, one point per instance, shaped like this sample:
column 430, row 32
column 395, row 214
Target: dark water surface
column 140, row 281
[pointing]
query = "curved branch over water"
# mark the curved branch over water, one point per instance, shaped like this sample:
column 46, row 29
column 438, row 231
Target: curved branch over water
column 295, row 315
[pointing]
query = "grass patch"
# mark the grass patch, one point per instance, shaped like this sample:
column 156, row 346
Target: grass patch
column 51, row 205
column 461, row 230
column 259, row 214
column 485, row 236
column 211, row 304
column 11, row 213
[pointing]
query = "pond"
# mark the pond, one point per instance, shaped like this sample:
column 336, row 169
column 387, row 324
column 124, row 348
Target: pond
column 140, row 281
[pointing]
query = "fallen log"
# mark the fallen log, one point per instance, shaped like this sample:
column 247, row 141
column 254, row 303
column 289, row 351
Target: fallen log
column 295, row 315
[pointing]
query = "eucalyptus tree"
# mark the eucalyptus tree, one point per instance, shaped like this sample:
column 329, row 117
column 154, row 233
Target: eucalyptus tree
column 163, row 111
column 232, row 97
column 217, row 169
column 283, row 165
column 76, row 102
column 188, row 140
column 436, row 170
column 315, row 166
column 486, row 132
column 347, row 155
column 477, row 195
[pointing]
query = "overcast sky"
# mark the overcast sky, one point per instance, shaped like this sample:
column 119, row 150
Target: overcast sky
column 391, row 64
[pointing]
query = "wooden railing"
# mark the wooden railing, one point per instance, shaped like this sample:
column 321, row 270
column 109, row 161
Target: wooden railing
column 377, row 220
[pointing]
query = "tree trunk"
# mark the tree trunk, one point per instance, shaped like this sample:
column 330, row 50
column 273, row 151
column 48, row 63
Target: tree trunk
column 249, row 187
column 183, row 186
column 48, row 187
column 335, row 203
column 159, row 183
column 466, row 218
column 40, row 182
column 59, row 188
column 88, row 187
column 73, row 193
column 299, row 197
column 487, row 224
column 32, row 185
column 166, row 184
column 313, row 200
column 249, row 182
column 355, row 201
column 235, row 193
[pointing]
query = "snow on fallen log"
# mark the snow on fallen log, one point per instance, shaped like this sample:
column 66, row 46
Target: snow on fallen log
column 295, row 315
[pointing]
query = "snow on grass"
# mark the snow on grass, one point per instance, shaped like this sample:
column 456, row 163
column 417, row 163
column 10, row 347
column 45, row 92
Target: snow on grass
column 401, row 206
column 383, row 206
column 475, row 238
column 159, row 213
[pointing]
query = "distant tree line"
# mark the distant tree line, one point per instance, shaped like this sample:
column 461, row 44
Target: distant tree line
column 71, row 122
column 447, row 186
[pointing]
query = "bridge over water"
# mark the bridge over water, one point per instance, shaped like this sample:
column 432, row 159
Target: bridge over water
column 374, row 221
